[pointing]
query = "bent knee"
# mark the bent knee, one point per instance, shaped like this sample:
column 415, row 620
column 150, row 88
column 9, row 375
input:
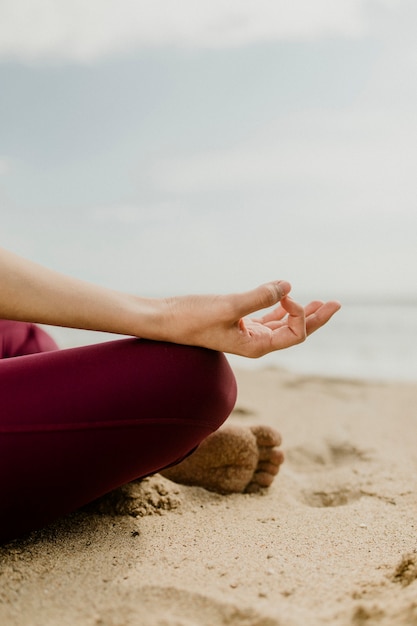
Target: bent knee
column 227, row 386
column 193, row 383
column 218, row 388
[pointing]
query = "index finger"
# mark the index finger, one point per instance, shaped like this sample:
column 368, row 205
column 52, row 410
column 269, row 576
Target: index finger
column 293, row 331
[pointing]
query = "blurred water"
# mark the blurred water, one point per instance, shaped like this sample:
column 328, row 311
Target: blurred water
column 362, row 341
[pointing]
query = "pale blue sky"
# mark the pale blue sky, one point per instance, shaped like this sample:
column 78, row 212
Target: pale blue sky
column 173, row 147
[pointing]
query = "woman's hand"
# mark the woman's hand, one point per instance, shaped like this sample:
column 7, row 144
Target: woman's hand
column 225, row 323
column 32, row 293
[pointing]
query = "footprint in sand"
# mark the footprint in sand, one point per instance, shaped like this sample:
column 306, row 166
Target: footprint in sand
column 321, row 471
column 327, row 454
column 330, row 498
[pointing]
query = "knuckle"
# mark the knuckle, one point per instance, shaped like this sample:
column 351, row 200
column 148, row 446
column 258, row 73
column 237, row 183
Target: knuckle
column 302, row 337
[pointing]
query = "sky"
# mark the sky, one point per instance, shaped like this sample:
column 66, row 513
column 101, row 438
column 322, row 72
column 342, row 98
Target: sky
column 173, row 147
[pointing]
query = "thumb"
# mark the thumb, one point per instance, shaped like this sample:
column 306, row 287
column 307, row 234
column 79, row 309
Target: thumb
column 264, row 296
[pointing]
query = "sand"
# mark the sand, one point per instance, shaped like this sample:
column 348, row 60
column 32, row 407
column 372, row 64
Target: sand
column 333, row 541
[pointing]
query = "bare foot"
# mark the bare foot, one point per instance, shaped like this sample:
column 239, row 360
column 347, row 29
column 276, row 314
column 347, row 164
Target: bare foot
column 234, row 459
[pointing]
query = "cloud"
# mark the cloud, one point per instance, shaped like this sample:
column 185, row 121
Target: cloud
column 363, row 154
column 84, row 32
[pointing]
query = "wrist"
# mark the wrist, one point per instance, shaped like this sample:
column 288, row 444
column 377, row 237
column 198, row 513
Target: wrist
column 145, row 318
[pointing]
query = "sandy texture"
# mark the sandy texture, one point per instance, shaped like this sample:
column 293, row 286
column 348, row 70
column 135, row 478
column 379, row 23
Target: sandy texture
column 334, row 541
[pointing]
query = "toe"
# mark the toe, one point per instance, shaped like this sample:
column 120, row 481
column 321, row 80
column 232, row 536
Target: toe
column 260, row 480
column 264, row 479
column 269, row 468
column 272, row 455
column 266, row 435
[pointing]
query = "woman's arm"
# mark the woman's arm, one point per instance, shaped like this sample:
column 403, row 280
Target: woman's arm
column 30, row 292
column 33, row 293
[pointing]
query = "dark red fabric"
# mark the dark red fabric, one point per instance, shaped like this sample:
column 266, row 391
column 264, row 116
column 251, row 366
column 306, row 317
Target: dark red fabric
column 76, row 423
column 19, row 338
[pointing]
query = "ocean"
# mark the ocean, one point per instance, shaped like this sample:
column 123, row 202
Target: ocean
column 365, row 341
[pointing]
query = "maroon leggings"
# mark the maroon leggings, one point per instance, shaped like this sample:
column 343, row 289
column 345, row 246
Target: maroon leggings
column 76, row 423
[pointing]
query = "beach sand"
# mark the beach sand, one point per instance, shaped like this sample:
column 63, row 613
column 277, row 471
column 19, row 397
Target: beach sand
column 333, row 541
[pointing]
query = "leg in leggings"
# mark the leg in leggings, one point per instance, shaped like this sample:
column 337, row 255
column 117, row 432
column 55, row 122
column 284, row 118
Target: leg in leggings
column 19, row 338
column 76, row 423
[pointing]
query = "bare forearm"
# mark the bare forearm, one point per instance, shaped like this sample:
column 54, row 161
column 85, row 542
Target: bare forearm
column 30, row 292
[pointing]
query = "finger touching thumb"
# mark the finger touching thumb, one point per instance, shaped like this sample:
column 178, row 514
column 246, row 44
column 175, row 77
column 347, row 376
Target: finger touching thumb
column 264, row 296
